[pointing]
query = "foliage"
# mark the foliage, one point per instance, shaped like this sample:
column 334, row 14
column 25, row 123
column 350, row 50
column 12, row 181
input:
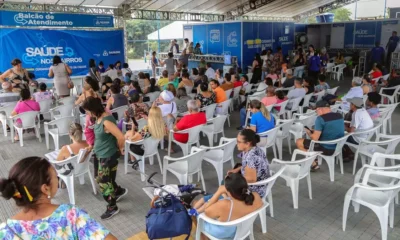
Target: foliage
column 341, row 15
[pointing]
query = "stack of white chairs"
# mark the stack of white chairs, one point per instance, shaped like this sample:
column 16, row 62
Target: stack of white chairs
column 375, row 187
column 220, row 154
column 295, row 170
column 5, row 114
column 81, row 167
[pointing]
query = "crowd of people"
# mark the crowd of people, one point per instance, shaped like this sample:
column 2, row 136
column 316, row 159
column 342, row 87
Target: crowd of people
column 182, row 96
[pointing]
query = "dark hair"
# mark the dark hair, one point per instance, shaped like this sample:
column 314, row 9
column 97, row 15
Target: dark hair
column 186, row 39
column 101, row 63
column 135, row 97
column 195, row 71
column 237, row 186
column 299, row 80
column 322, row 77
column 311, row 46
column 107, row 79
column 377, row 44
column 279, row 94
column 117, row 81
column 25, row 94
column 94, row 106
column 125, row 65
column 309, row 80
column 197, row 44
column 246, row 77
column 94, row 84
column 204, row 87
column 56, row 60
column 170, row 55
column 250, row 136
column 374, row 97
column 165, row 73
column 202, row 71
column 92, row 63
column 185, row 74
column 154, row 53
column 208, row 65
column 15, row 62
column 264, row 52
column 146, row 76
column 269, row 81
column 26, row 177
column 215, row 81
column 257, row 57
column 111, row 66
column 232, row 71
column 366, row 77
column 136, row 85
column 42, row 86
column 141, row 75
column 228, row 77
column 117, row 62
column 278, row 49
column 181, row 92
column 115, row 88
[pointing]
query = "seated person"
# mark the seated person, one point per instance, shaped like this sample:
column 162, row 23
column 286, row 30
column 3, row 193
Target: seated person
column 289, row 82
column 235, row 79
column 117, row 99
column 261, row 120
column 227, row 84
column 204, row 97
column 232, row 201
column 194, row 118
column 280, row 97
column 272, row 74
column 328, row 126
column 366, row 84
column 373, row 100
column 166, row 103
column 43, row 94
column 106, row 87
column 67, row 151
column 360, row 121
column 322, row 83
column 270, row 99
column 308, row 85
column 355, row 91
column 376, row 72
column 263, row 85
column 137, row 109
column 163, row 80
column 8, row 94
column 297, row 92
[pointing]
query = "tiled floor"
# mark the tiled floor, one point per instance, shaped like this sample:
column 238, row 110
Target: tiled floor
column 319, row 218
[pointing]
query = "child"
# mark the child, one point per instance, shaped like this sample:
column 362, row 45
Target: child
column 280, row 97
column 43, row 94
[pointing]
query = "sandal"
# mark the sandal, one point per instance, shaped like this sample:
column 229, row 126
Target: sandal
column 314, row 166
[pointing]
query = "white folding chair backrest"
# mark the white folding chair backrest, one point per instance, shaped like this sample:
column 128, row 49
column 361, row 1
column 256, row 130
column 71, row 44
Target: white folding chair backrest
column 120, row 111
column 329, row 67
column 7, row 109
column 339, row 144
column 283, row 106
column 45, row 105
column 150, row 145
column 225, row 106
column 219, row 122
column 153, row 96
column 65, row 110
column 228, row 145
column 385, row 77
column 63, row 124
column 141, row 123
column 269, row 182
column 307, row 99
column 28, row 119
column 210, row 109
column 367, row 134
column 194, row 159
column 236, row 91
column 228, row 93
column 188, row 89
column 348, row 58
column 332, row 90
column 304, row 163
column 393, row 141
column 284, row 125
column 248, row 88
column 67, row 100
column 82, row 165
column 271, row 135
column 319, row 95
column 295, row 103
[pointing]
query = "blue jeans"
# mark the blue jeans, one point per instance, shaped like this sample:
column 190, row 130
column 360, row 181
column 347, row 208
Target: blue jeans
column 243, row 117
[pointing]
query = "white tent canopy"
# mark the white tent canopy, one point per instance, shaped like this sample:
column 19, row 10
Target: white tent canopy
column 171, row 31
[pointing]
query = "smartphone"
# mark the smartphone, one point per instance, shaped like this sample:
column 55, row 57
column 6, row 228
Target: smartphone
column 307, row 128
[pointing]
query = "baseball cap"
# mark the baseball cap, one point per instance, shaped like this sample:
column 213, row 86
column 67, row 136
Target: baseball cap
column 5, row 85
column 322, row 103
column 167, row 95
column 358, row 102
column 357, row 80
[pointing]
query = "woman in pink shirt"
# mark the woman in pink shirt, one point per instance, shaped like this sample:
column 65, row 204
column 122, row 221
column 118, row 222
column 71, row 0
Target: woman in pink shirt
column 270, row 99
column 280, row 97
column 26, row 104
column 272, row 74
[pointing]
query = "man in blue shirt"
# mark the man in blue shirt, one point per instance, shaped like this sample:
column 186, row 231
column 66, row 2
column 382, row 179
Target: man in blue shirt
column 391, row 46
column 377, row 55
column 328, row 126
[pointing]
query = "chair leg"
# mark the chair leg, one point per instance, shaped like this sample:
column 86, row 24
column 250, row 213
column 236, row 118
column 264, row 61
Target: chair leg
column 340, row 158
column 345, row 211
column 56, row 142
column 21, row 136
column 294, row 186
column 274, row 149
column 202, row 180
column 69, row 181
column 82, row 179
column 126, row 156
column 279, row 146
column 210, row 138
column 220, row 168
column 46, row 138
column 141, row 167
column 383, row 220
column 309, row 186
column 4, row 123
column 290, row 146
column 391, row 214
column 355, row 162
column 151, row 160
column 159, row 162
column 92, row 182
column 263, row 219
column 271, row 204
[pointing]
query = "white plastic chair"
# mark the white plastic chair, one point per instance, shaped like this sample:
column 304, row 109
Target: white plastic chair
column 45, row 106
column 244, row 225
column 367, row 148
column 338, row 71
column 283, row 110
column 153, row 96
column 332, row 90
column 28, row 120
column 268, row 184
column 386, row 111
column 228, row 93
column 271, row 139
column 5, row 113
column 295, row 171
column 65, row 110
column 150, row 149
column 329, row 68
column 306, row 102
column 330, row 160
column 391, row 98
column 81, row 167
column 60, row 127
column 295, row 106
column 318, row 96
column 283, row 133
column 67, row 100
column 120, row 111
column 141, row 123
column 379, row 199
column 354, row 70
column 224, row 109
column 193, row 138
column 220, row 154
column 300, row 121
column 236, row 96
column 185, row 167
column 213, row 127
column 210, row 109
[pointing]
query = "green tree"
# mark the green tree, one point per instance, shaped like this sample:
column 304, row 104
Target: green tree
column 342, row 15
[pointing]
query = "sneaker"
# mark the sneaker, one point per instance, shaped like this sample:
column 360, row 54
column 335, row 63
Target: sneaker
column 110, row 212
column 121, row 193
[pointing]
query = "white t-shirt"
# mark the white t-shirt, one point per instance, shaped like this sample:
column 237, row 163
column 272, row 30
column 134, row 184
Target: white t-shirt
column 295, row 93
column 262, row 87
column 168, row 108
column 112, row 73
column 210, row 73
column 361, row 120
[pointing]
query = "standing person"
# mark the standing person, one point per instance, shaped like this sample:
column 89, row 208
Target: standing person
column 174, row 47
column 17, row 76
column 108, row 139
column 154, row 63
column 324, row 60
column 210, row 73
column 112, row 72
column 32, row 183
column 184, row 58
column 256, row 69
column 314, row 63
column 197, row 49
column 101, row 67
column 93, row 70
column 190, row 48
column 185, row 44
column 60, row 71
column 377, row 55
column 169, row 63
column 277, row 60
column 391, row 46
column 264, row 58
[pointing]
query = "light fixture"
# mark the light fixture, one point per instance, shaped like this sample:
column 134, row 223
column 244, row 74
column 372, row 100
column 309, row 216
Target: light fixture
column 252, row 4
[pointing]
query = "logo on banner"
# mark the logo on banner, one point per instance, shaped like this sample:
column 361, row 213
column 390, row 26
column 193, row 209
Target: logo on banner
column 39, row 19
column 105, row 53
column 201, row 45
column 231, row 40
column 18, row 18
column 215, row 36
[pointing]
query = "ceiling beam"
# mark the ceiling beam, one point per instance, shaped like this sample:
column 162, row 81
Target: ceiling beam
column 323, row 9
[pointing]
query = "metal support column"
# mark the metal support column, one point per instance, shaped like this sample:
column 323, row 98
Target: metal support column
column 362, row 63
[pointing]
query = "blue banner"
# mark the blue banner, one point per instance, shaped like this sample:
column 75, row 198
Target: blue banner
column 265, row 35
column 348, row 35
column 300, row 28
column 283, row 36
column 364, row 36
column 233, row 40
column 251, row 43
column 200, row 36
column 36, row 48
column 215, row 40
column 41, row 19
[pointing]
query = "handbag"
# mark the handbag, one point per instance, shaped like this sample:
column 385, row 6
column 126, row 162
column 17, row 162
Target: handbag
column 168, row 221
column 70, row 83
